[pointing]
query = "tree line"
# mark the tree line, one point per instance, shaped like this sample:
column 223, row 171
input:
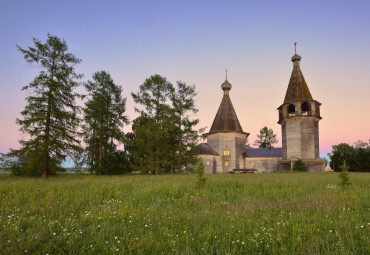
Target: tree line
column 357, row 157
column 55, row 128
column 53, row 125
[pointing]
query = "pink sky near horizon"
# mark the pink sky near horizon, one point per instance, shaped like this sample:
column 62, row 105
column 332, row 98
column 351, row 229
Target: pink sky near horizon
column 195, row 42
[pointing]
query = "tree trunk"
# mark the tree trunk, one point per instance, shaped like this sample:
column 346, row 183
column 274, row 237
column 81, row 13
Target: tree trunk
column 156, row 134
column 156, row 161
column 179, row 157
column 46, row 170
column 100, row 157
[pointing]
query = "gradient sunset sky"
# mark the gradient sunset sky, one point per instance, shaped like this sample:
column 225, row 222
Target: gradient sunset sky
column 195, row 41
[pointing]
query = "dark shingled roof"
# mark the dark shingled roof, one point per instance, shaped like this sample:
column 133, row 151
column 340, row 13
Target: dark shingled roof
column 297, row 88
column 226, row 119
column 205, row 149
column 263, row 152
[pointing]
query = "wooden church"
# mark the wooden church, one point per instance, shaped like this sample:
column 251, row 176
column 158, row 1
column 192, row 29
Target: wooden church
column 299, row 116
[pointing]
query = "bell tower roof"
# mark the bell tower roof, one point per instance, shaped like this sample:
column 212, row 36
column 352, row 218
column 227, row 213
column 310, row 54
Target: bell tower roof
column 226, row 119
column 297, row 88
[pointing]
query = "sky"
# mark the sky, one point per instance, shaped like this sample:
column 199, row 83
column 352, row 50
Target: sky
column 194, row 42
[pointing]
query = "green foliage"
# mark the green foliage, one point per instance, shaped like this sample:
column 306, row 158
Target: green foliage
column 117, row 163
column 138, row 146
column 186, row 137
column 340, row 153
column 103, row 122
column 362, row 156
column 155, row 139
column 27, row 163
column 201, row 179
column 344, row 177
column 299, row 166
column 266, row 138
column 50, row 116
column 290, row 213
column 163, row 138
column 357, row 157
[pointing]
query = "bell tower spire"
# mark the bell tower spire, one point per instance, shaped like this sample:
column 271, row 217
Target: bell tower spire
column 299, row 117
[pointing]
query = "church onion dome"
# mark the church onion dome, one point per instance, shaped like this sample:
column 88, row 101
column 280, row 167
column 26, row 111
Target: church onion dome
column 296, row 57
column 297, row 88
column 226, row 85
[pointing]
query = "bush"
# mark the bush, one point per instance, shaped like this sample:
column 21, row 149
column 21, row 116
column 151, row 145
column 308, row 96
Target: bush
column 114, row 163
column 299, row 166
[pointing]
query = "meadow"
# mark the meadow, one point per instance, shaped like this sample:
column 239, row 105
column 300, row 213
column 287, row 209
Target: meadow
column 275, row 213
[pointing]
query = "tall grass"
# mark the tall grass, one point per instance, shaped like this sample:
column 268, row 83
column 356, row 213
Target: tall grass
column 276, row 213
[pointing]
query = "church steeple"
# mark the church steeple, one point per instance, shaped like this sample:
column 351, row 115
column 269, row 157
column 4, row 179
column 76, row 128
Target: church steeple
column 298, row 100
column 299, row 117
column 226, row 135
column 226, row 119
column 297, row 88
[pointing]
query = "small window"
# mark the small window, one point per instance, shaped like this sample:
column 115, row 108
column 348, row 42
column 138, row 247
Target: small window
column 226, row 153
column 207, row 163
column 226, row 163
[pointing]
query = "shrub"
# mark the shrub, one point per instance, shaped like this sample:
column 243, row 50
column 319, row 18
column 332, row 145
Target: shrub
column 299, row 166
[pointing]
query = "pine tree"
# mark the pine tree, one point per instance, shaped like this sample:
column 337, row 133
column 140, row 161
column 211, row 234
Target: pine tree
column 344, row 178
column 103, row 122
column 186, row 137
column 266, row 138
column 201, row 180
column 139, row 145
column 50, row 116
column 154, row 95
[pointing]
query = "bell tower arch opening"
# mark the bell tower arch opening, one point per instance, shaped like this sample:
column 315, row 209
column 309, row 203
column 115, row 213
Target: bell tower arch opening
column 291, row 110
column 306, row 109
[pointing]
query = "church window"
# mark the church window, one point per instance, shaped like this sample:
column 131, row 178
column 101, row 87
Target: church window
column 226, row 163
column 226, row 153
column 207, row 163
column 291, row 110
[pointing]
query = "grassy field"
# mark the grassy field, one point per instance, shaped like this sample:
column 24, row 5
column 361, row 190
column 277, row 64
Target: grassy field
column 276, row 213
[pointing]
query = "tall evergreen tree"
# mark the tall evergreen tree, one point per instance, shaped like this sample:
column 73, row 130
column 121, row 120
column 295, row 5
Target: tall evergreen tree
column 50, row 117
column 266, row 138
column 186, row 137
column 140, row 144
column 103, row 122
column 154, row 96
